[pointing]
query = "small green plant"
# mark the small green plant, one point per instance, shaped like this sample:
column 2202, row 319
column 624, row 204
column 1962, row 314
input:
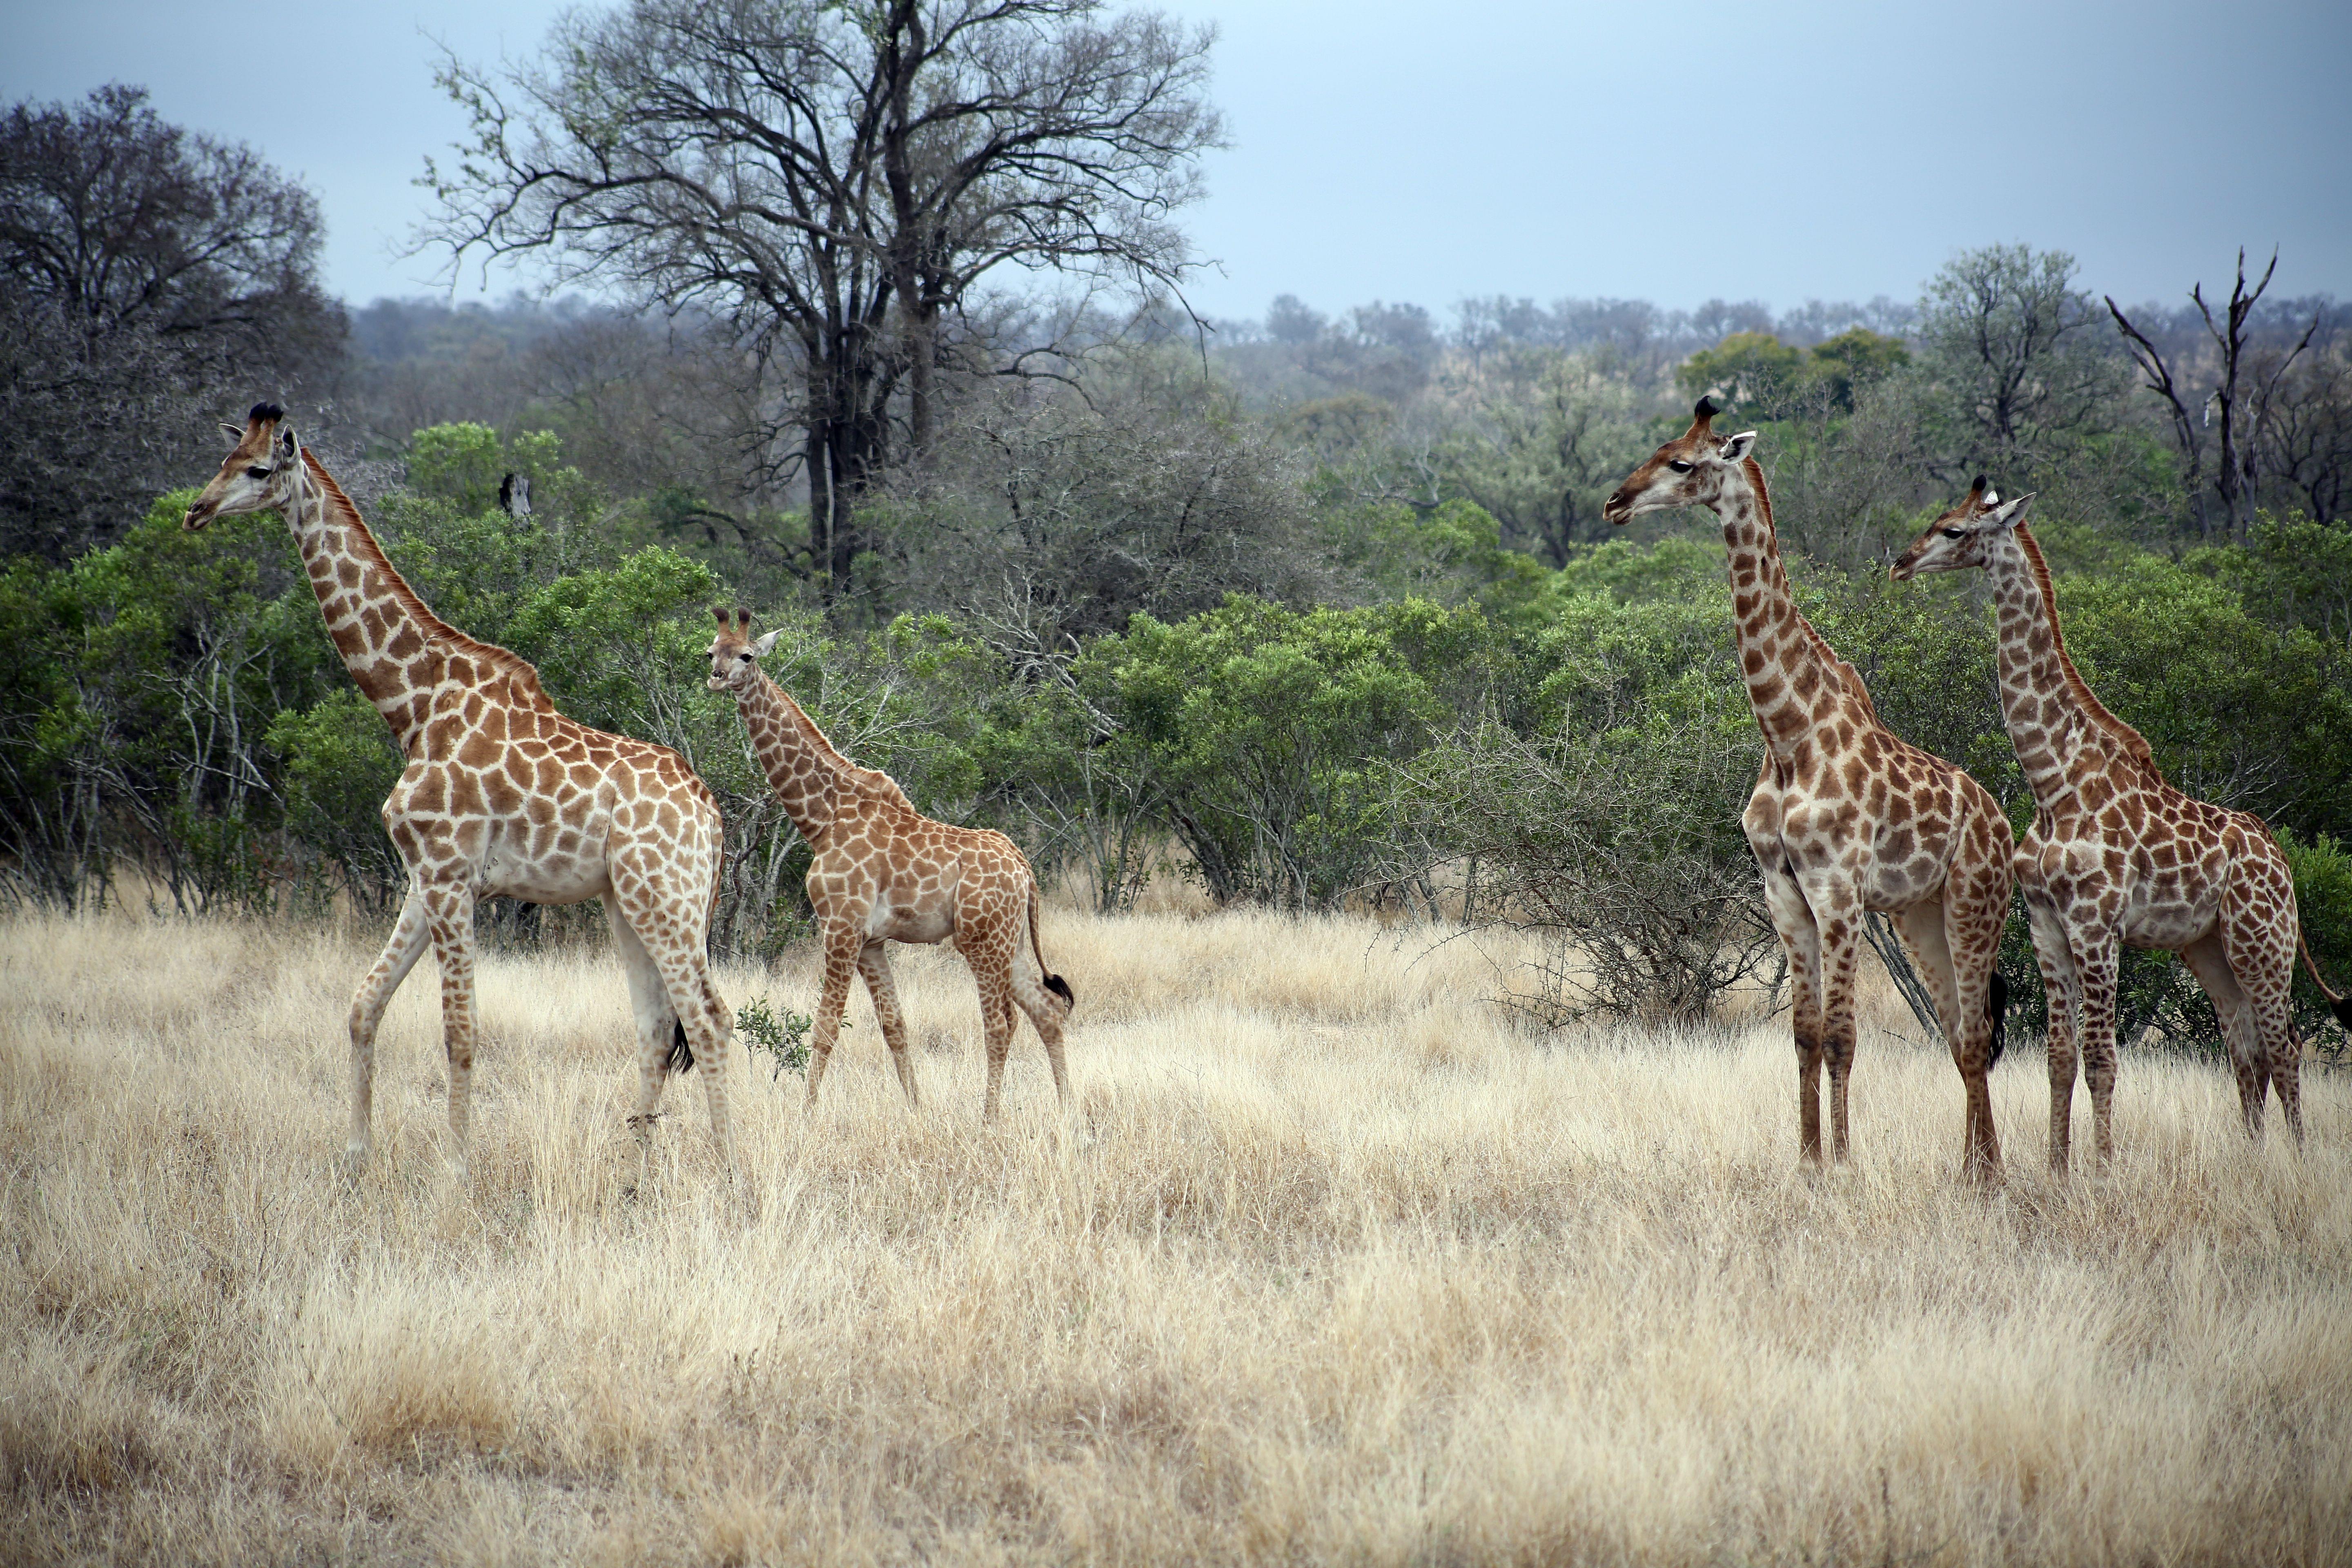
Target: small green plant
column 783, row 1037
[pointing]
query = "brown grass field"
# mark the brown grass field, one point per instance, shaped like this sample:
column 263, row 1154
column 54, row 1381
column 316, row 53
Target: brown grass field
column 1329, row 1261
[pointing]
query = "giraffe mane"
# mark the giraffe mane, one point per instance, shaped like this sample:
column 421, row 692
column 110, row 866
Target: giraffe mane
column 1830, row 656
column 2134, row 743
column 522, row 676
column 871, row 779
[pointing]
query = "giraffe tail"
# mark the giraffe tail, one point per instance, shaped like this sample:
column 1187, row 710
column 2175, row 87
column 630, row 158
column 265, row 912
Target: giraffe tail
column 2337, row 1004
column 1996, row 1005
column 681, row 1055
column 1053, row 982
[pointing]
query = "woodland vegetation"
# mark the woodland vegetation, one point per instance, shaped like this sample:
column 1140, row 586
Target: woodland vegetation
column 1314, row 610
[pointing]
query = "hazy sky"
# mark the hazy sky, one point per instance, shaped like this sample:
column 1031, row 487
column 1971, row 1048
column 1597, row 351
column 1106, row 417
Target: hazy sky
column 1421, row 153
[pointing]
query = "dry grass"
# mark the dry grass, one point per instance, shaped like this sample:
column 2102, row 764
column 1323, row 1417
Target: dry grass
column 1327, row 1263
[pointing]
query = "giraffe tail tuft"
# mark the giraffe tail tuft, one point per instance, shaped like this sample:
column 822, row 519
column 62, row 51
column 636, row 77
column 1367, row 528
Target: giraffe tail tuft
column 1053, row 982
column 682, row 1054
column 1996, row 1005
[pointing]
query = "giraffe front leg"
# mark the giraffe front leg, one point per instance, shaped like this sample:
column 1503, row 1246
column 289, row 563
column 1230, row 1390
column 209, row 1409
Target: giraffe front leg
column 1841, row 945
column 874, row 964
column 1792, row 917
column 2098, row 953
column 2062, row 991
column 449, row 913
column 843, row 943
column 401, row 951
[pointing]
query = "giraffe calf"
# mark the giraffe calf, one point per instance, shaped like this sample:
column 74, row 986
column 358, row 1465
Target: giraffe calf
column 881, row 872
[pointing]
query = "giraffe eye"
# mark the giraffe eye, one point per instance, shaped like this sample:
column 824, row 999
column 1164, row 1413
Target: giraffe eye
column 1955, row 534
column 1678, row 466
column 257, row 473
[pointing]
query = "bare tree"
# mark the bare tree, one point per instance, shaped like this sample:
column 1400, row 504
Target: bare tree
column 2017, row 376
column 140, row 267
column 833, row 180
column 2244, row 395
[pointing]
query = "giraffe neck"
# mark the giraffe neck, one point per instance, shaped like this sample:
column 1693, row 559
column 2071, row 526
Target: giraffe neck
column 1791, row 681
column 2050, row 712
column 383, row 631
column 808, row 775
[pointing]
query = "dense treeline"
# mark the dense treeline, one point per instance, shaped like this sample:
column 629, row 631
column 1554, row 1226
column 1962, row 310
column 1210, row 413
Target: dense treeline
column 1311, row 610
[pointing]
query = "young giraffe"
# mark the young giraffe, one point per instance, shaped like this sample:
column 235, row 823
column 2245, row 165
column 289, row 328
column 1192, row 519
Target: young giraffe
column 1845, row 818
column 883, row 871
column 2116, row 857
column 502, row 795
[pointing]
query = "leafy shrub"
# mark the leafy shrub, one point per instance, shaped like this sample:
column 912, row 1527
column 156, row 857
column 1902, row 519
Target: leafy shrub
column 784, row 1039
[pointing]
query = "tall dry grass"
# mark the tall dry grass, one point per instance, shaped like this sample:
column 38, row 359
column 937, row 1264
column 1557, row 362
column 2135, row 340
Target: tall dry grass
column 1327, row 1262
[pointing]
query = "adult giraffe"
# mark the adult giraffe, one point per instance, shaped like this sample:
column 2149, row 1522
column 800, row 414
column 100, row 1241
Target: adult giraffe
column 502, row 795
column 1845, row 818
column 883, row 871
column 2116, row 857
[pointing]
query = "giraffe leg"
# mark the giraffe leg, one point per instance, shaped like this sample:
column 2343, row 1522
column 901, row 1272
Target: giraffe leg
column 449, row 914
column 1841, row 950
column 655, row 1020
column 2209, row 960
column 401, row 951
column 874, row 964
column 844, row 941
column 997, row 1023
column 2097, row 954
column 2261, row 946
column 1800, row 939
column 1926, row 937
column 2062, row 989
column 1046, row 1011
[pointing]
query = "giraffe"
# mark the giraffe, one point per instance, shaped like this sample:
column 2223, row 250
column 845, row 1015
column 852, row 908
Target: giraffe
column 2118, row 858
column 501, row 795
column 1845, row 818
column 884, row 872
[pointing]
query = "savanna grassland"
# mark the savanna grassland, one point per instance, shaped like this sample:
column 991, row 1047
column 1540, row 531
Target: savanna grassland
column 1329, row 1261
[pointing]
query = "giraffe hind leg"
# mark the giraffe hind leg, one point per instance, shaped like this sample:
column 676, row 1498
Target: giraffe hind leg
column 1038, row 999
column 406, row 944
column 657, row 1027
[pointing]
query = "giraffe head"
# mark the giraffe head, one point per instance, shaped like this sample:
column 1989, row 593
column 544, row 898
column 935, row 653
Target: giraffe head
column 1960, row 538
column 263, row 469
column 734, row 656
column 1688, row 470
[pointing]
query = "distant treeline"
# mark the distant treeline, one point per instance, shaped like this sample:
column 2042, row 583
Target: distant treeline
column 1315, row 610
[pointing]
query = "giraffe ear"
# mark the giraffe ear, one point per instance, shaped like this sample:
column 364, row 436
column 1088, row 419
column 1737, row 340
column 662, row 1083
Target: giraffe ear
column 236, row 433
column 760, row 649
column 287, row 444
column 1735, row 448
column 2009, row 514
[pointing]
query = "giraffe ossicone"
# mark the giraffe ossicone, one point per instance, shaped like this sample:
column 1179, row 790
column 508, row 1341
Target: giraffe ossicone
column 881, row 871
column 2117, row 856
column 1846, row 817
column 501, row 795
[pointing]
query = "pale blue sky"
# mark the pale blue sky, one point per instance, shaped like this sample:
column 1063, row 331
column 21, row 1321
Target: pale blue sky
column 1424, row 154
